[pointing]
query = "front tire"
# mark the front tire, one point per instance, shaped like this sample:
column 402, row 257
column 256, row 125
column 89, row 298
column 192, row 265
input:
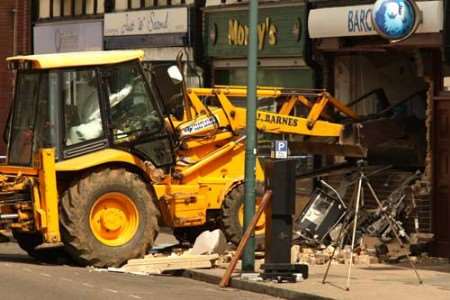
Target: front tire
column 108, row 217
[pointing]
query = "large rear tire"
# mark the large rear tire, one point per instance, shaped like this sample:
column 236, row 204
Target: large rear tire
column 108, row 217
column 233, row 213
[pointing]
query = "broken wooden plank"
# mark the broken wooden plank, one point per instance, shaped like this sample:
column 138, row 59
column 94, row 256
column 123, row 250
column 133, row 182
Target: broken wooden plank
column 158, row 264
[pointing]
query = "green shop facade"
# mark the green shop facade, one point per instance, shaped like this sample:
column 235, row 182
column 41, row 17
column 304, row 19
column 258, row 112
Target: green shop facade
column 281, row 45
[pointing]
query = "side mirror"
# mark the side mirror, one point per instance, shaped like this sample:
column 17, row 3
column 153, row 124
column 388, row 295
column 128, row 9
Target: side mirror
column 175, row 74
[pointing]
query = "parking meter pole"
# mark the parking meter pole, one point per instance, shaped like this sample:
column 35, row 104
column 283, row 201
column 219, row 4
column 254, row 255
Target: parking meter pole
column 280, row 179
column 248, row 258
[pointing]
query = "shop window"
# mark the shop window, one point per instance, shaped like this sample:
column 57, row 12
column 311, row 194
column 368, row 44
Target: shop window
column 67, row 8
column 135, row 4
column 289, row 78
column 282, row 77
column 121, row 5
column 90, row 7
column 78, row 8
column 100, row 6
column 149, row 3
column 56, row 8
column 44, row 9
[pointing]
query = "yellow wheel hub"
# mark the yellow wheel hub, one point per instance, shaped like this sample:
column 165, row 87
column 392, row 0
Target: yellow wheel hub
column 114, row 219
column 260, row 225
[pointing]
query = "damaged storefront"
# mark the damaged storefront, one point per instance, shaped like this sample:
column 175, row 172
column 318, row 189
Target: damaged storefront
column 394, row 78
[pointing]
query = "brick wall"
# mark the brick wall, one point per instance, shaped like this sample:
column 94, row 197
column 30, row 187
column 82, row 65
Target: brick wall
column 23, row 46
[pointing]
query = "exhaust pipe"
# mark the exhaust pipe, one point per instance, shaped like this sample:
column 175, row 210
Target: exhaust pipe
column 8, row 216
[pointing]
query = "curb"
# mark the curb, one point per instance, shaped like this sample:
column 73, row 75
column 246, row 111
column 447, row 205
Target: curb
column 252, row 286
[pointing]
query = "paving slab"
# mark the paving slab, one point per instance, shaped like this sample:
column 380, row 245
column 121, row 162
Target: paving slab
column 375, row 282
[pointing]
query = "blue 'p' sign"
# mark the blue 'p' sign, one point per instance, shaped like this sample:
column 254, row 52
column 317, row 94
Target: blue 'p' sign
column 281, row 145
column 281, row 149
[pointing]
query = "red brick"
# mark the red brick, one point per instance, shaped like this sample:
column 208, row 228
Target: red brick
column 6, row 49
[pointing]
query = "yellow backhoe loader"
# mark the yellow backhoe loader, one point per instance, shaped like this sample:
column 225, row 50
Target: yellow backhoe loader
column 99, row 155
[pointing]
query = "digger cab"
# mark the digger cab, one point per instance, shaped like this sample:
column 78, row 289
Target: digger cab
column 79, row 103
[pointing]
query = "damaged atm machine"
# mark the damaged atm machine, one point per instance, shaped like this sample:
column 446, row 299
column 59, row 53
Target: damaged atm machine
column 389, row 61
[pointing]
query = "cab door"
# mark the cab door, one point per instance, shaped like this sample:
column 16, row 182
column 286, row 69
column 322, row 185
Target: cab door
column 134, row 118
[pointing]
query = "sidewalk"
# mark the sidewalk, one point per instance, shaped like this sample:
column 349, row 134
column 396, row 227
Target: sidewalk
column 373, row 282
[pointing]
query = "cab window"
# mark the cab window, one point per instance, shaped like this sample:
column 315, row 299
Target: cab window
column 131, row 106
column 82, row 115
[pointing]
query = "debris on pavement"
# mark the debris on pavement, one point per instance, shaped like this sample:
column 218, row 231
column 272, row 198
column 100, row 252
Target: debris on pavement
column 154, row 264
column 206, row 251
column 209, row 242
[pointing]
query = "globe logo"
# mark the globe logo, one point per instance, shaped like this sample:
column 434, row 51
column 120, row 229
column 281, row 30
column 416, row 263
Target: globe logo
column 395, row 19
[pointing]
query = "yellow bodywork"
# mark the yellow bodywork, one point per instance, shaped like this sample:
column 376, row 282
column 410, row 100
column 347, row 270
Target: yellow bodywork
column 210, row 161
column 43, row 215
column 98, row 158
column 77, row 59
column 213, row 144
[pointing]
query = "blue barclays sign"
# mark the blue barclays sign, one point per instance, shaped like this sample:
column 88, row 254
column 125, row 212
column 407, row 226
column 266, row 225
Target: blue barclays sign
column 392, row 19
column 359, row 20
column 396, row 20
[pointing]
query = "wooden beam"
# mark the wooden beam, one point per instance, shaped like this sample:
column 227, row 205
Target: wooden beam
column 61, row 8
column 158, row 264
column 51, row 9
column 72, row 7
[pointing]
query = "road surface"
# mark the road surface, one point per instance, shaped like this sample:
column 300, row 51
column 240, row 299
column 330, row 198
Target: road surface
column 23, row 278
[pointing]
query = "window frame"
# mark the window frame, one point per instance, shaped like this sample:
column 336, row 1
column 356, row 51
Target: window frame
column 13, row 115
column 155, row 101
column 91, row 145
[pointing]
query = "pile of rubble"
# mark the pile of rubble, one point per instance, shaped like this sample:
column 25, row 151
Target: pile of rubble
column 207, row 249
column 371, row 250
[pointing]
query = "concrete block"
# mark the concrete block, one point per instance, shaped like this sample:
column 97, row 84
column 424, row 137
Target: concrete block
column 366, row 259
column 209, row 242
column 417, row 238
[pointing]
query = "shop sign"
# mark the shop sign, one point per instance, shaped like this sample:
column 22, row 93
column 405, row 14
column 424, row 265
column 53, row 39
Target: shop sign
column 155, row 21
column 67, row 37
column 396, row 19
column 238, row 33
column 280, row 32
column 358, row 20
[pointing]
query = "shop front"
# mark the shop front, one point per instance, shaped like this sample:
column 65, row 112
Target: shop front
column 281, row 45
column 283, row 55
column 162, row 33
column 385, row 61
column 68, row 36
